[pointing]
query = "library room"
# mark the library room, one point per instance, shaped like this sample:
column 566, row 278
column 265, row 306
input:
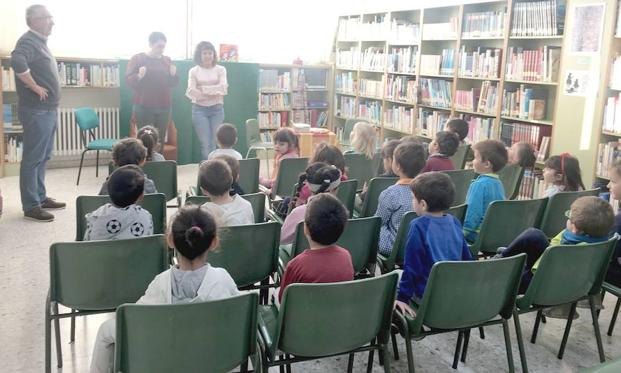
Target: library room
column 337, row 186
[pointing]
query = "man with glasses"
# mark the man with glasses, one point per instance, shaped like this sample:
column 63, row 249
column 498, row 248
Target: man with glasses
column 38, row 92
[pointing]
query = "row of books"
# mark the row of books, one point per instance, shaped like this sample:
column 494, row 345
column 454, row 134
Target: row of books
column 512, row 133
column 430, row 122
column 14, row 149
column 435, row 64
column 267, row 136
column 373, row 58
column 532, row 185
column 399, row 118
column 88, row 75
column 348, row 57
column 274, row 101
column 316, row 118
column 401, row 88
column 10, row 119
column 479, row 129
column 274, row 80
column 378, row 29
column 488, row 98
column 480, row 63
column 345, row 82
column 274, row 119
column 402, row 60
column 538, row 18
column 615, row 73
column 607, row 154
column 370, row 87
column 467, row 99
column 347, row 107
column 524, row 103
column 298, row 99
column 537, row 65
column 441, row 31
column 370, row 110
column 544, row 147
column 612, row 115
column 435, row 92
column 404, row 32
column 484, row 24
column 8, row 79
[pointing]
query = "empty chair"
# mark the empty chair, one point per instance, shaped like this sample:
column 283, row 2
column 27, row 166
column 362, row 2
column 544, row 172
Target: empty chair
column 346, row 193
column 511, row 178
column 554, row 219
column 257, row 200
column 253, row 139
column 88, row 121
column 459, row 158
column 164, row 176
column 376, row 186
column 288, row 174
column 462, row 180
column 361, row 168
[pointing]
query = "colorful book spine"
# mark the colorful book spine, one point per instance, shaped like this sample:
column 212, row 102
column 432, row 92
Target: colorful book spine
column 273, row 120
column 537, row 65
column 274, row 80
column 374, row 58
column 372, row 88
column 402, row 60
column 399, row 118
column 277, row 101
column 370, row 110
column 430, row 122
column 480, row 63
column 401, row 88
column 345, row 82
column 524, row 103
column 484, row 24
column 435, row 92
column 347, row 107
column 538, row 18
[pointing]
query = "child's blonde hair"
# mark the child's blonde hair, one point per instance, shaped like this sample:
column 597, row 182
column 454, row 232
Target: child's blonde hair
column 363, row 138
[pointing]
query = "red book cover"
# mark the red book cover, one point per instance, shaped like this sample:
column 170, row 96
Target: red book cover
column 229, row 53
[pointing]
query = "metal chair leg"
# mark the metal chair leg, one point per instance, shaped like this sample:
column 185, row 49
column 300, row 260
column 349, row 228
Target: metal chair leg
column 614, row 317
column 370, row 361
column 80, row 169
column 48, row 336
column 464, row 350
column 460, row 336
column 520, row 340
column 481, row 332
column 533, row 337
column 350, row 363
column 395, row 348
column 383, row 353
column 598, row 336
column 97, row 165
column 72, row 334
column 59, row 351
column 570, row 319
column 505, row 330
column 409, row 353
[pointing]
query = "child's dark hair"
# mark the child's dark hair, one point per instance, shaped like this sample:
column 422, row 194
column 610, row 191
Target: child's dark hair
column 568, row 167
column 389, row 148
column 233, row 164
column 287, row 135
column 436, row 189
column 215, row 177
column 526, row 154
column 156, row 36
column 226, row 135
column 321, row 177
column 329, row 154
column 150, row 138
column 325, row 219
column 193, row 230
column 128, row 151
column 458, row 126
column 410, row 157
column 593, row 216
column 126, row 185
column 448, row 142
column 493, row 151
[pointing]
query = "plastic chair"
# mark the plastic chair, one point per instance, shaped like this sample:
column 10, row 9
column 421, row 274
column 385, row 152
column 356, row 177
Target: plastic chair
column 344, row 141
column 554, row 219
column 511, row 178
column 253, row 139
column 97, row 277
column 88, row 121
column 459, row 212
column 614, row 290
column 154, row 203
column 288, row 175
column 462, row 180
column 257, row 200
column 164, row 176
column 145, row 336
column 504, row 221
column 459, row 158
column 361, row 168
column 464, row 295
column 321, row 320
column 248, row 177
column 375, row 188
column 346, row 193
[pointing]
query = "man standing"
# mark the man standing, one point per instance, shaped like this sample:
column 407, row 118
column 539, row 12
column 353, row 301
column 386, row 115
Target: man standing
column 38, row 91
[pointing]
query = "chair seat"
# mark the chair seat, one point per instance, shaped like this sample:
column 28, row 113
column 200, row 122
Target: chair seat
column 101, row 144
column 268, row 325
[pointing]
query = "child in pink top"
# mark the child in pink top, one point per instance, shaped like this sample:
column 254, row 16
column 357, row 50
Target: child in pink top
column 285, row 146
column 325, row 153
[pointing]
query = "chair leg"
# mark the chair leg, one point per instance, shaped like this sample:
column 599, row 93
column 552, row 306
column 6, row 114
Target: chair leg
column 598, row 336
column 72, row 334
column 533, row 337
column 380, row 357
column 409, row 353
column 97, row 165
column 370, row 361
column 48, row 336
column 281, row 368
column 244, row 366
column 464, row 350
column 460, row 336
column 614, row 317
column 505, row 330
column 383, row 353
column 520, row 340
column 80, row 169
column 59, row 351
column 350, row 363
column 481, row 332
column 570, row 319
column 395, row 348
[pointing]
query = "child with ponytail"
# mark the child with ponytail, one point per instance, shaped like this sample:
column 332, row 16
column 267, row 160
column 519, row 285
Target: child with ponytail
column 151, row 140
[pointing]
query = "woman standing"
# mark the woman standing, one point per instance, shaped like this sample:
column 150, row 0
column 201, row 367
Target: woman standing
column 207, row 87
column 151, row 75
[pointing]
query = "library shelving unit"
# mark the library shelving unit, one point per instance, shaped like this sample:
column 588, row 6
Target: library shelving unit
column 293, row 94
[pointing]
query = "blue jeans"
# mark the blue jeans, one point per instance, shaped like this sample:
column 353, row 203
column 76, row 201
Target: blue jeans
column 39, row 132
column 206, row 120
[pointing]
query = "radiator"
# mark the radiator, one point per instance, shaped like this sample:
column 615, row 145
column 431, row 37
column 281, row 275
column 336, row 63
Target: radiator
column 68, row 142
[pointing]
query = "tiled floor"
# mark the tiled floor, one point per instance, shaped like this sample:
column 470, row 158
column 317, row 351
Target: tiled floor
column 24, row 281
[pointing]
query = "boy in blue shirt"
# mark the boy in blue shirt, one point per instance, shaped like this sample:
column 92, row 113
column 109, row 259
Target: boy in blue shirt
column 434, row 236
column 490, row 156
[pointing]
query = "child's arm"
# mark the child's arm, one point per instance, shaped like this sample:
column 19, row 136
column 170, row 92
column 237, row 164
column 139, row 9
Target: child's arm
column 413, row 265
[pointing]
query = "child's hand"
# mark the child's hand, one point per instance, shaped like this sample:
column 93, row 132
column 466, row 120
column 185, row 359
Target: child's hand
column 405, row 309
column 267, row 192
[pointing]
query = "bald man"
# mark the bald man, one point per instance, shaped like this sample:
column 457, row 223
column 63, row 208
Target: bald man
column 38, row 92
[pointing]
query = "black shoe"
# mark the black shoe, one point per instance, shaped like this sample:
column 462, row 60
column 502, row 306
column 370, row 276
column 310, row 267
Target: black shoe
column 37, row 214
column 52, row 204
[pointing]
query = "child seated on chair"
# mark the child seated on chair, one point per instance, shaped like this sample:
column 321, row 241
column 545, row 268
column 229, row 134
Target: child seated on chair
column 234, row 165
column 226, row 137
column 432, row 237
column 396, row 200
column 193, row 234
column 320, row 178
column 130, row 151
column 324, row 153
column 490, row 156
column 151, row 140
column 441, row 149
column 461, row 128
column 285, row 146
column 324, row 222
column 387, row 152
column 561, row 173
column 363, row 138
column 215, row 179
column 522, row 154
column 122, row 218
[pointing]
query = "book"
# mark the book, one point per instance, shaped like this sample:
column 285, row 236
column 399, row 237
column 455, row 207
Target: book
column 404, row 32
column 399, row 118
column 441, row 31
column 435, row 92
column 402, row 60
column 8, row 79
column 479, row 129
column 516, row 103
column 538, row 18
column 429, row 122
column 371, row 87
column 345, row 82
column 348, row 58
column 542, row 153
column 273, row 80
column 346, row 107
column 370, row 110
column 229, row 53
column 488, row 98
column 440, row 64
column 401, row 88
column 484, row 24
column 373, row 58
column 274, row 101
column 540, row 64
column 481, row 62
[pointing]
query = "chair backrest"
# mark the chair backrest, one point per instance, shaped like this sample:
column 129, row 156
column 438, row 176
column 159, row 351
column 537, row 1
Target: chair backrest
column 346, row 193
column 164, row 176
column 459, row 158
column 375, row 188
column 328, row 319
column 462, row 180
column 464, row 294
column 86, row 118
column 505, row 220
column 100, row 275
column 511, row 178
column 554, row 218
column 248, row 252
column 349, row 126
column 360, row 238
column 257, row 200
column 566, row 273
column 184, row 337
column 361, row 168
column 459, row 212
column 248, row 176
column 398, row 247
column 154, row 203
column 252, row 131
column 288, row 174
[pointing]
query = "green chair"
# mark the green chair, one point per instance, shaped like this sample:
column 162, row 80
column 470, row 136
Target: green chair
column 88, row 122
column 248, row 178
column 360, row 238
column 511, row 178
column 504, row 221
column 610, row 288
column 344, row 141
column 257, row 200
column 97, row 277
column 565, row 275
column 361, row 168
column 164, row 176
column 459, row 212
column 214, row 336
column 288, row 175
column 464, row 295
column 554, row 219
column 346, row 193
column 253, row 139
column 462, row 180
column 613, row 366
column 154, row 203
column 321, row 320
column 459, row 158
column 376, row 186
